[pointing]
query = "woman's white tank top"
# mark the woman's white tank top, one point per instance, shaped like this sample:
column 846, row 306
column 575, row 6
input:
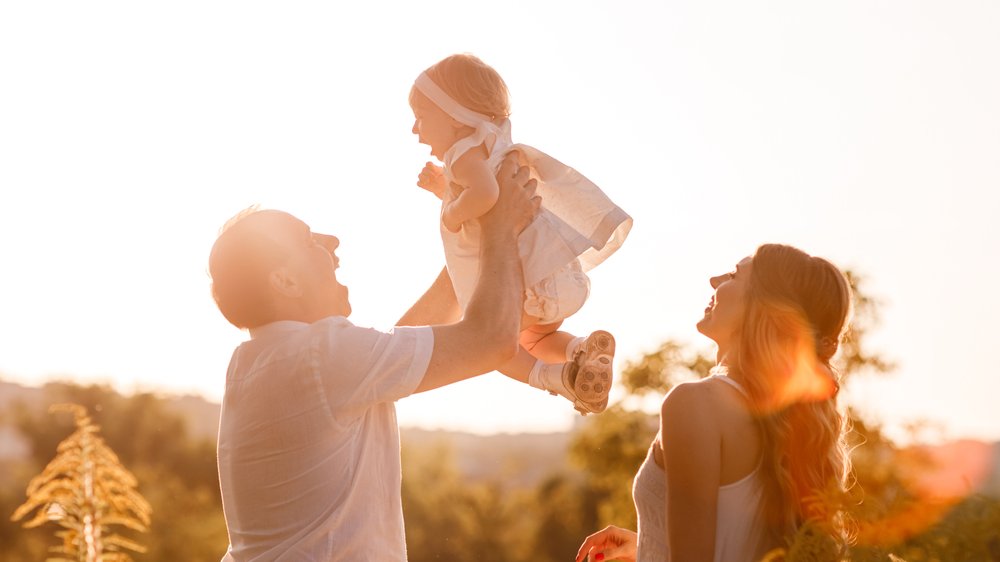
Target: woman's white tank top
column 738, row 529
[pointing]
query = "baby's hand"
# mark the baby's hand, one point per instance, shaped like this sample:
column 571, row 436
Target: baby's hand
column 431, row 178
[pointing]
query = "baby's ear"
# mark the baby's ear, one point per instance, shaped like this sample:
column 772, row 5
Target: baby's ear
column 285, row 283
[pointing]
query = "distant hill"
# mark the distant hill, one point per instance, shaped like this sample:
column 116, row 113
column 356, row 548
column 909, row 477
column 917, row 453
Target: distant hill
column 518, row 460
column 202, row 416
column 12, row 393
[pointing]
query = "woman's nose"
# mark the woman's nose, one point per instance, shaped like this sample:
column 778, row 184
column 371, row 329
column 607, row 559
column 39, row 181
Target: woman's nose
column 716, row 281
column 414, row 128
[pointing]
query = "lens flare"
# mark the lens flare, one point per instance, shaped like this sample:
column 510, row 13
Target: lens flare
column 936, row 478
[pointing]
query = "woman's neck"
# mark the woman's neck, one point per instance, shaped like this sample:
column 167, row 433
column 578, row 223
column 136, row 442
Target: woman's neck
column 725, row 360
column 722, row 356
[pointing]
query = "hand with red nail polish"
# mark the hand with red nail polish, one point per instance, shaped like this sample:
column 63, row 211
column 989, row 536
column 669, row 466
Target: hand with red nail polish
column 610, row 543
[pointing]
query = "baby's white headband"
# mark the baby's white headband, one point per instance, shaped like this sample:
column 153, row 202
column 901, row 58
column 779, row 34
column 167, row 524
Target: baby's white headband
column 447, row 104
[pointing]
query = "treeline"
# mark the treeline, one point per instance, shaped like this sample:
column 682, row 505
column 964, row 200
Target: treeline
column 452, row 517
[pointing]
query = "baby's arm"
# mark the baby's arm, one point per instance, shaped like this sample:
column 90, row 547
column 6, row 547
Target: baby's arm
column 473, row 173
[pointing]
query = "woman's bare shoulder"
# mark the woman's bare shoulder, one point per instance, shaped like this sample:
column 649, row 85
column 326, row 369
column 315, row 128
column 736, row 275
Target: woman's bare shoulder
column 690, row 407
column 691, row 395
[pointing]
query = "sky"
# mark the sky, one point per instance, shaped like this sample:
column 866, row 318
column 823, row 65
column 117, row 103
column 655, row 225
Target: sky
column 864, row 132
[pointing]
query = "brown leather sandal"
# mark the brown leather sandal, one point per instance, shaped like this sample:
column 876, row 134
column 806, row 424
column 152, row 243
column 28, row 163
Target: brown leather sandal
column 589, row 375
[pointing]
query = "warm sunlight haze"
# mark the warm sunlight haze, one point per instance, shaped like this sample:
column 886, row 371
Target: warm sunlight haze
column 867, row 133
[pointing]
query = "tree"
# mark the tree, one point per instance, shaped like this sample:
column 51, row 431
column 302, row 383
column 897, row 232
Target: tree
column 451, row 518
column 854, row 357
column 86, row 490
column 172, row 457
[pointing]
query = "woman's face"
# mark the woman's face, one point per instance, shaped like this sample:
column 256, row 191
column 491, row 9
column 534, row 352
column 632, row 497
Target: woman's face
column 725, row 311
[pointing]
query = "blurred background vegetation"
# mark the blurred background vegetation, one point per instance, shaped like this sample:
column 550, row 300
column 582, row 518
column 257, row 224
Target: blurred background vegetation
column 511, row 498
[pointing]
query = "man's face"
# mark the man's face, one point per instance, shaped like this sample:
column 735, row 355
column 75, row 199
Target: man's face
column 312, row 261
column 319, row 263
column 329, row 244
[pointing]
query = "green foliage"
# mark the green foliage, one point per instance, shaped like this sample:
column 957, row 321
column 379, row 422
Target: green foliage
column 86, row 490
column 969, row 530
column 447, row 518
column 609, row 449
column 659, row 371
column 451, row 517
column 563, row 510
column 853, row 356
column 812, row 544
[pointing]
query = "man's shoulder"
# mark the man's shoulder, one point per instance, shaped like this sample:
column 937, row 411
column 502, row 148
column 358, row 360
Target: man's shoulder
column 331, row 323
column 342, row 330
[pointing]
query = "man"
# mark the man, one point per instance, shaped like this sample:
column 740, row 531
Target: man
column 308, row 447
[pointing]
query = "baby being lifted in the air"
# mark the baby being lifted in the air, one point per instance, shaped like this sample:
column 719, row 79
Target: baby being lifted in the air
column 461, row 109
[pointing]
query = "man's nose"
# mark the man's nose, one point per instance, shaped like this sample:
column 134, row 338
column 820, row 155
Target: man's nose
column 328, row 241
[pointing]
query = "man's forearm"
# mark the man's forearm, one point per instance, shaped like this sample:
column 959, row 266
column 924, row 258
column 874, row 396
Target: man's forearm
column 495, row 307
column 487, row 336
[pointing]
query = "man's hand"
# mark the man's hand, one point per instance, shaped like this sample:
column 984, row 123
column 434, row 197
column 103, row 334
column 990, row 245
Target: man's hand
column 517, row 205
column 432, row 179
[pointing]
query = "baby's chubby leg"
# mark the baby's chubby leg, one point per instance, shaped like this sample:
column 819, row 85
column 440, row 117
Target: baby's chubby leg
column 585, row 380
column 543, row 372
column 548, row 344
column 524, row 367
column 519, row 368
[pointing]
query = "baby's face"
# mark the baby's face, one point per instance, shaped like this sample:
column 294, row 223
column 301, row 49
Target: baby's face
column 433, row 126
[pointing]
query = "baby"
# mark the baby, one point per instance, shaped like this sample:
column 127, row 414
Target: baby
column 461, row 111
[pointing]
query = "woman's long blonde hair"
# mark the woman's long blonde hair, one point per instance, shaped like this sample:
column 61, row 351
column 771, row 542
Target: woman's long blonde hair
column 798, row 308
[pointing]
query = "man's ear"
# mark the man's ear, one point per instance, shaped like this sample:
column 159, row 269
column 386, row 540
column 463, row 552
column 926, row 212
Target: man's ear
column 285, row 283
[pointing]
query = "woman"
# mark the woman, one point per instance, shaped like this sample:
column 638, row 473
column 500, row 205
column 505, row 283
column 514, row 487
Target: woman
column 743, row 455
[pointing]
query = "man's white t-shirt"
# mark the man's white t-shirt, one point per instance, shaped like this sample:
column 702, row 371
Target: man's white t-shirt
column 308, row 441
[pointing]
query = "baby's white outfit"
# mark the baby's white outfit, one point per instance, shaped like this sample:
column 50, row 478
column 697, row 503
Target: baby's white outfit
column 577, row 228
